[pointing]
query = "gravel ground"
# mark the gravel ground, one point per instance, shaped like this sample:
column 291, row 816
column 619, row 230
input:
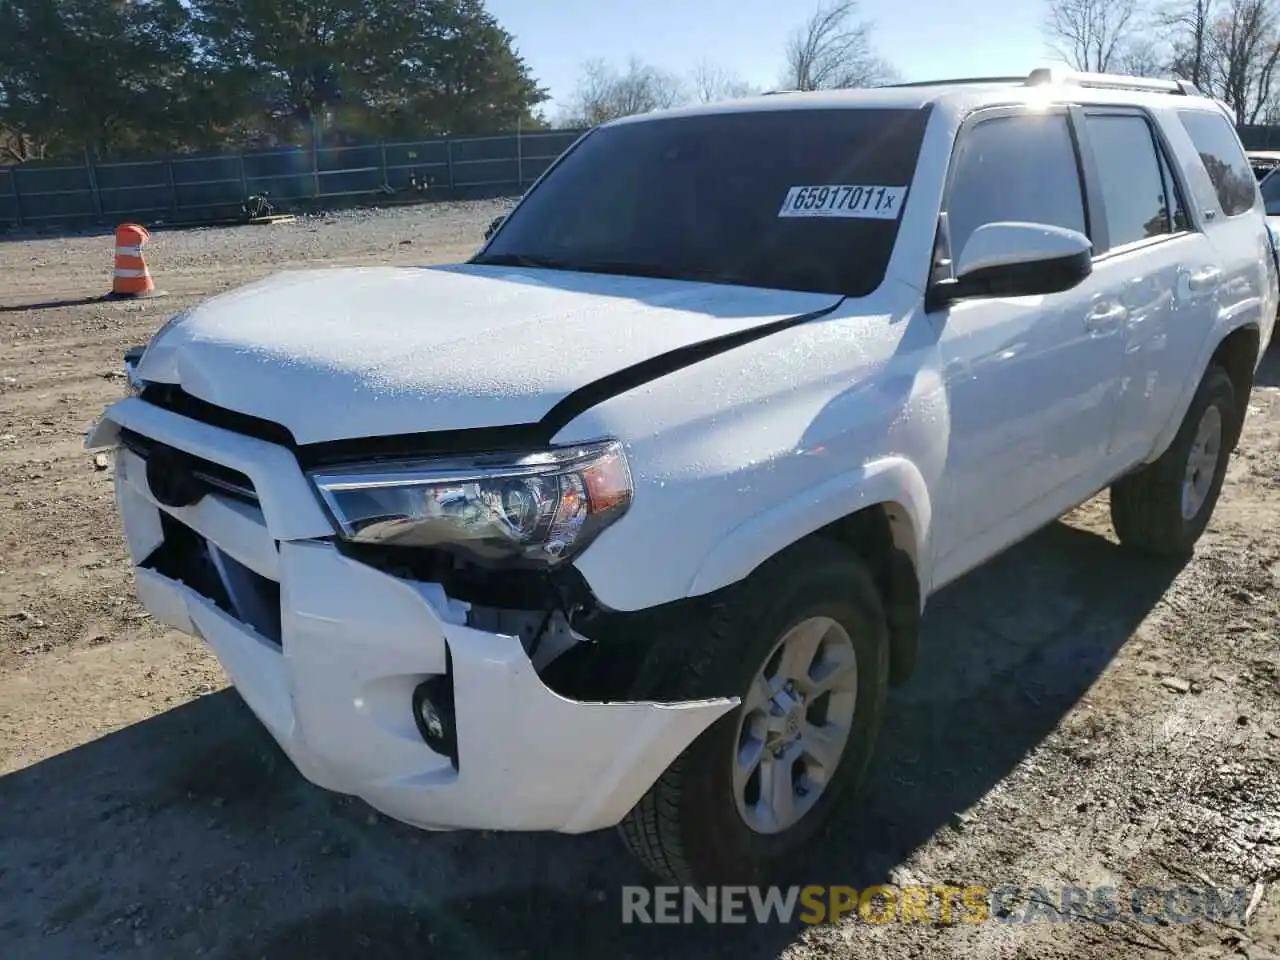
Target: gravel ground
column 1080, row 718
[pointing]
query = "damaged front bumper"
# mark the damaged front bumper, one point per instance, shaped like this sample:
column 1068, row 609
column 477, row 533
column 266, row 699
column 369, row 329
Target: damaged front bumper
column 328, row 652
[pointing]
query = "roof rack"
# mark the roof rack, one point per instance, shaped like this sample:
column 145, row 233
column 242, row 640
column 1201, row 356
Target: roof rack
column 1043, row 76
column 1111, row 81
column 957, row 81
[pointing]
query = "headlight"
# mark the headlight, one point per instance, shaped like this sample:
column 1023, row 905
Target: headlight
column 541, row 508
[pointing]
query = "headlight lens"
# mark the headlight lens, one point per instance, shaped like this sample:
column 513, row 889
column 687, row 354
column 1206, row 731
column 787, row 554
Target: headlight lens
column 541, row 508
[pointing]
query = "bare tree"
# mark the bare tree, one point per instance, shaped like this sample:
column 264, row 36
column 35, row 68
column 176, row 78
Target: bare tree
column 604, row 93
column 711, row 82
column 1091, row 34
column 833, row 50
column 1188, row 28
column 1242, row 49
column 1142, row 57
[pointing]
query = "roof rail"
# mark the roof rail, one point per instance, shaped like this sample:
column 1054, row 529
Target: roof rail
column 958, row 80
column 774, row 93
column 1048, row 75
column 1111, row 81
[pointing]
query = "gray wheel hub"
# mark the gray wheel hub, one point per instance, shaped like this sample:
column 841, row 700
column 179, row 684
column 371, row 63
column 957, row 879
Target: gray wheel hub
column 1202, row 462
column 795, row 722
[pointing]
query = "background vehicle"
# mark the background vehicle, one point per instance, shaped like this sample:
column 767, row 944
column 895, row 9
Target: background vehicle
column 631, row 518
column 1263, row 162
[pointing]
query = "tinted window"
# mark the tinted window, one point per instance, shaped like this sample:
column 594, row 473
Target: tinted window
column 1271, row 194
column 1014, row 168
column 1133, row 188
column 1223, row 157
column 701, row 197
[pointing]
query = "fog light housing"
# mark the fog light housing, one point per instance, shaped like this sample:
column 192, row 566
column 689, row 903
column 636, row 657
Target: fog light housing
column 434, row 717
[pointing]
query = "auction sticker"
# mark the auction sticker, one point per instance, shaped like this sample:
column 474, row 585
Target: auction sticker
column 844, row 200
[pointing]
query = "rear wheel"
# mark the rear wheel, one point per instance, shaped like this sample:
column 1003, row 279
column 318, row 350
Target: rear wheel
column 1164, row 507
column 804, row 643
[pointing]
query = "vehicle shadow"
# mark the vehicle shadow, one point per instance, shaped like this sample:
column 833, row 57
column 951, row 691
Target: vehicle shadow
column 191, row 833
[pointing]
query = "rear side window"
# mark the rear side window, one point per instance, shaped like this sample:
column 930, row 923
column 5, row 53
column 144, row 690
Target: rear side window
column 1223, row 157
column 1133, row 187
column 1014, row 168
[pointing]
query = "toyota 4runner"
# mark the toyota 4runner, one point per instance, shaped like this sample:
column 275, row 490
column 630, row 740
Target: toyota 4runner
column 630, row 519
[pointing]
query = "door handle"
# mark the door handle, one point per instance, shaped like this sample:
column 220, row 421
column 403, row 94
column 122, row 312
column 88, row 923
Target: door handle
column 1203, row 280
column 1104, row 316
column 1192, row 283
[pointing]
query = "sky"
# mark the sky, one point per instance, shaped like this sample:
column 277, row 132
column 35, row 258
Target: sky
column 923, row 39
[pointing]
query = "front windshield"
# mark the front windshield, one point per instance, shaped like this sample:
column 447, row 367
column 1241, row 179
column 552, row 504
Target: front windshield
column 790, row 199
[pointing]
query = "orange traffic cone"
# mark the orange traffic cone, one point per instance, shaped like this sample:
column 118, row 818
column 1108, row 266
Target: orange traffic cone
column 132, row 278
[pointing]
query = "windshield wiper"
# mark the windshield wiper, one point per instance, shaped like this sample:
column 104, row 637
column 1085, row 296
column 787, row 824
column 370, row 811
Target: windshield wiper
column 523, row 260
column 657, row 270
column 623, row 268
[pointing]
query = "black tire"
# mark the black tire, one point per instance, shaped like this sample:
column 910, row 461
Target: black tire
column 687, row 828
column 1146, row 506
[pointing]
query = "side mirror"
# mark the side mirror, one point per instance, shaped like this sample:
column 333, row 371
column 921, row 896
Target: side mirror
column 1011, row 259
column 492, row 228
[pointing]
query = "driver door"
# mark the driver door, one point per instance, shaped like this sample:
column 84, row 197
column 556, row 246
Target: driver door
column 1031, row 382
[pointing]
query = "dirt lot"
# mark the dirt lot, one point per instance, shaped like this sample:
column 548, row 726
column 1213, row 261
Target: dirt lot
column 1043, row 743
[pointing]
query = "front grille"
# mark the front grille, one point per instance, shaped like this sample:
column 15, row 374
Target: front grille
column 191, row 559
column 213, row 476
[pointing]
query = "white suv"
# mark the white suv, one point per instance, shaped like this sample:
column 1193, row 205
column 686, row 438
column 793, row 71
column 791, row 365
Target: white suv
column 631, row 518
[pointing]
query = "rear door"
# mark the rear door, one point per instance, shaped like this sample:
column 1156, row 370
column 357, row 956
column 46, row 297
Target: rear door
column 1166, row 273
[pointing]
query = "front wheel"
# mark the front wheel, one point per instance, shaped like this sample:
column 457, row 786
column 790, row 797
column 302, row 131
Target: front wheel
column 804, row 643
column 1164, row 507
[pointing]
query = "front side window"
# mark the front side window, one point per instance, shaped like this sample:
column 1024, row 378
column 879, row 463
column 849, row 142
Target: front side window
column 1234, row 183
column 1019, row 168
column 806, row 200
column 1133, row 186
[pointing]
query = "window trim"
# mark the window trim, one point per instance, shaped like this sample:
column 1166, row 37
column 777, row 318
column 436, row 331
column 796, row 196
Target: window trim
column 942, row 234
column 1160, row 149
column 1219, row 209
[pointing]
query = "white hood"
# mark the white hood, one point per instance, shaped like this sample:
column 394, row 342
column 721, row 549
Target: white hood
column 347, row 353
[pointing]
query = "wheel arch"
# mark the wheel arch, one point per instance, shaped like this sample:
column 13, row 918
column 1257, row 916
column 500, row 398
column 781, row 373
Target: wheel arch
column 881, row 511
column 1238, row 354
column 1236, row 349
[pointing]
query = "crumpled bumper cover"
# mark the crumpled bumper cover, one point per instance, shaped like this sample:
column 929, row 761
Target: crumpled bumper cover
column 336, row 691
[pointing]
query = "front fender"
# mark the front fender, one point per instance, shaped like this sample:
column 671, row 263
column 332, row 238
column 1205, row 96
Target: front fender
column 891, row 480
